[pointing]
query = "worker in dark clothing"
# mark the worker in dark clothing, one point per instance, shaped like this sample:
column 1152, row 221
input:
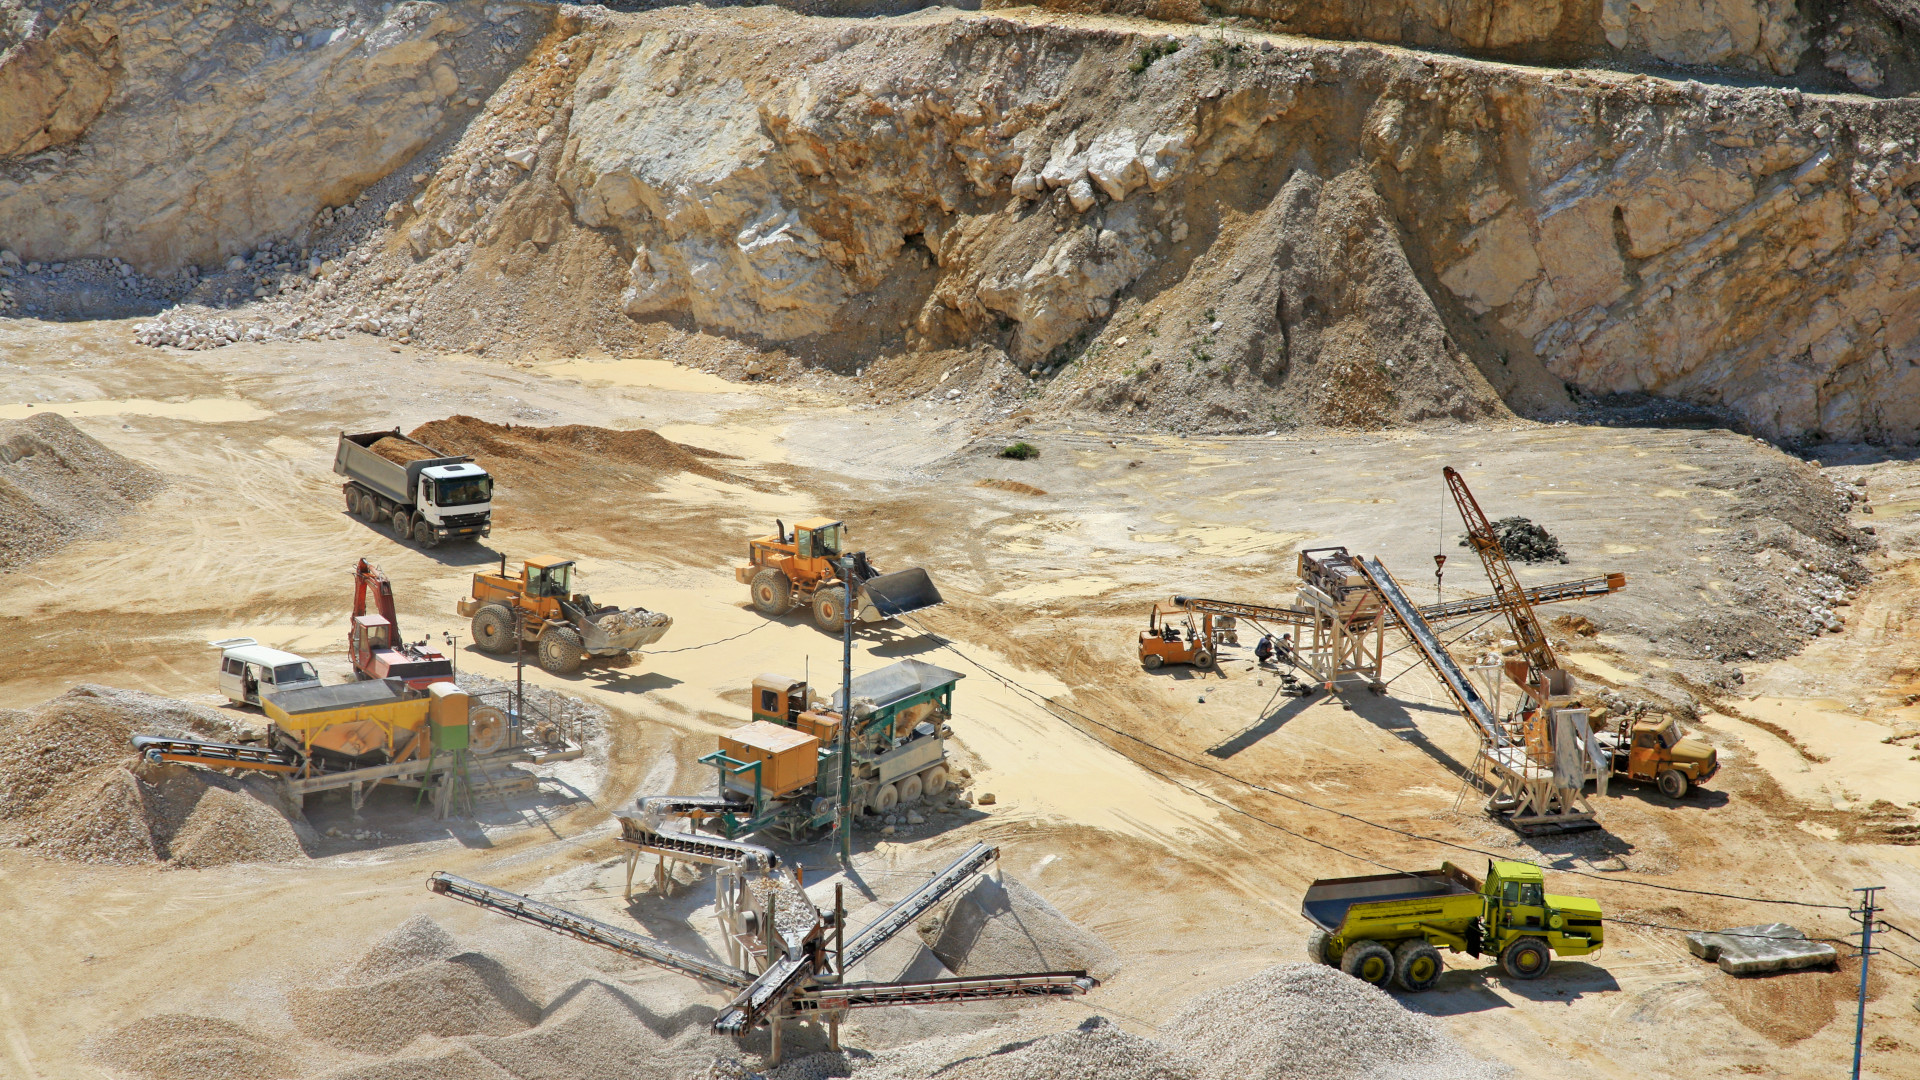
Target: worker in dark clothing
column 1283, row 652
column 1263, row 652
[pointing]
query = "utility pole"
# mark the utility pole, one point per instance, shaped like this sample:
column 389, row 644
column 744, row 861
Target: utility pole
column 846, row 712
column 1865, row 914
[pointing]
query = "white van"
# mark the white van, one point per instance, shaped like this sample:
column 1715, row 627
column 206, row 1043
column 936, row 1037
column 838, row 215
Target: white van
column 249, row 670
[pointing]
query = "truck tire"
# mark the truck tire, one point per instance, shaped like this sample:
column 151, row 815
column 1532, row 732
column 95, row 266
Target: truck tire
column 1416, row 965
column 1673, row 783
column 369, row 509
column 1368, row 961
column 885, row 798
column 1526, row 958
column 1151, row 661
column 830, row 608
column 493, row 628
column 772, row 592
column 423, row 534
column 353, row 500
column 910, row 788
column 934, row 780
column 402, row 524
column 1317, row 943
column 561, row 652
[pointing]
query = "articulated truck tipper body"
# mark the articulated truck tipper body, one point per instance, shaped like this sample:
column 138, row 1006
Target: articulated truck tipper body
column 420, row 492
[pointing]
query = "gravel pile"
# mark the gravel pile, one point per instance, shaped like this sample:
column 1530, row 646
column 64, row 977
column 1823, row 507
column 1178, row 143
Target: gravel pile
column 467, row 994
column 599, row 1031
column 70, row 786
column 1096, row 1050
column 1310, row 1022
column 991, row 928
column 413, row 943
column 174, row 1046
column 1523, row 541
column 57, row 485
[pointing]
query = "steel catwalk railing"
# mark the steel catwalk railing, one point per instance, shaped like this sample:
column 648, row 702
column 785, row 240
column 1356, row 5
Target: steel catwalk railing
column 1471, row 704
column 591, row 931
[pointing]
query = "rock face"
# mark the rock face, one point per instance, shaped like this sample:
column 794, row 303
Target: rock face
column 192, row 160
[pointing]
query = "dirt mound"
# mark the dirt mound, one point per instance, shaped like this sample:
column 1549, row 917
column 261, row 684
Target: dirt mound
column 1526, row 542
column 174, row 1046
column 1310, row 1022
column 70, row 786
column 534, row 454
column 400, row 451
column 58, row 485
column 995, row 928
column 1014, row 486
column 467, row 994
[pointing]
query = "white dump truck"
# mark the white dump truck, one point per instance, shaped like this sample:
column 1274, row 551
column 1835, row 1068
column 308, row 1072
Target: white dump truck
column 417, row 490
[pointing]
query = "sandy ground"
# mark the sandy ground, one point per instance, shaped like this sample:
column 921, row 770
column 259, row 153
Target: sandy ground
column 1157, row 855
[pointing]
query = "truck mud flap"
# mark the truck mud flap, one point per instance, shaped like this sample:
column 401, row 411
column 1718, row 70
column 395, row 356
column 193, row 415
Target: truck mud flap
column 888, row 595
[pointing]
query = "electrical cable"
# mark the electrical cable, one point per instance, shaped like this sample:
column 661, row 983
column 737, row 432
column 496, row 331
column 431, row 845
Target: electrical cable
column 1056, row 708
column 722, row 641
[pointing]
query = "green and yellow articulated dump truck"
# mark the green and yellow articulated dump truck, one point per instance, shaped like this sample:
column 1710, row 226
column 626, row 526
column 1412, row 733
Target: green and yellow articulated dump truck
column 1388, row 928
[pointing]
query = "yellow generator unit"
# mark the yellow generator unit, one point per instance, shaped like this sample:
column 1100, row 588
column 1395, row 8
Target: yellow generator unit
column 369, row 723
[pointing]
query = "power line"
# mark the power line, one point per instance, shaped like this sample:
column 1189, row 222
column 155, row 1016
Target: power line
column 722, row 641
column 1057, row 708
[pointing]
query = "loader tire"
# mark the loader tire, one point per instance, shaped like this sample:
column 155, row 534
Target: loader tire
column 1673, row 784
column 1526, row 958
column 1368, row 961
column 772, row 592
column 493, row 628
column 830, row 608
column 1416, row 965
column 1317, row 943
column 561, row 652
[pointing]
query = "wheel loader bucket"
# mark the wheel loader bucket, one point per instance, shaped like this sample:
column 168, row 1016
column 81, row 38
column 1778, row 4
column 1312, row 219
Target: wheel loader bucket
column 615, row 631
column 887, row 595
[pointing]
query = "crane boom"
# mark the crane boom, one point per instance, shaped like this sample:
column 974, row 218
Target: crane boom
column 1527, row 631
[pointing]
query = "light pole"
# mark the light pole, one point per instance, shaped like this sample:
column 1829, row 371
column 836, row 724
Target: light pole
column 846, row 712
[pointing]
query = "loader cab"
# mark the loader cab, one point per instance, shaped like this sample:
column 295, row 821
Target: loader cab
column 549, row 578
column 249, row 671
column 818, row 538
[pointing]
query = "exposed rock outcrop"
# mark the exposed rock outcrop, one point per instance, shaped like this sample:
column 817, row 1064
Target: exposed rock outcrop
column 56, row 71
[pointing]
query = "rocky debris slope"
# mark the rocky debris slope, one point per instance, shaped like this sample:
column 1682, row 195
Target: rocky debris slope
column 58, row 484
column 168, row 134
column 71, row 787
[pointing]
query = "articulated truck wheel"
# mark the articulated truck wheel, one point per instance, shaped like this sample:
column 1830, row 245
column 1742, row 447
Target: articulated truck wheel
column 772, row 592
column 1368, row 961
column 561, row 652
column 1417, row 965
column 1526, row 958
column 1317, row 943
column 493, row 629
column 830, row 607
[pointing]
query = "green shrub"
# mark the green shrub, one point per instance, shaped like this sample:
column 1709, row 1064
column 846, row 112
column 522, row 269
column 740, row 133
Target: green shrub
column 1020, row 451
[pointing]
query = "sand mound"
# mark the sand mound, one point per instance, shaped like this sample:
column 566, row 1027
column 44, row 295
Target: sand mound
column 992, row 928
column 1310, row 1022
column 57, row 485
column 596, row 1030
column 534, row 454
column 174, row 1046
column 70, row 786
column 467, row 994
column 413, row 943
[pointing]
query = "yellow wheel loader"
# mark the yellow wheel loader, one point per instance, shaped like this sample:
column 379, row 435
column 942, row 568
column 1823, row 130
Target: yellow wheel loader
column 540, row 608
column 806, row 568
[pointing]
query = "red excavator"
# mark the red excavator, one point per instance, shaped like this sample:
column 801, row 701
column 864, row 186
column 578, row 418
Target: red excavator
column 373, row 639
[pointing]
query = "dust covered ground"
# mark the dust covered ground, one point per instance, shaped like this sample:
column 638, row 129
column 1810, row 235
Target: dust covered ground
column 1759, row 607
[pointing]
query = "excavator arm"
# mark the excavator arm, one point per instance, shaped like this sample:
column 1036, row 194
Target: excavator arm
column 368, row 578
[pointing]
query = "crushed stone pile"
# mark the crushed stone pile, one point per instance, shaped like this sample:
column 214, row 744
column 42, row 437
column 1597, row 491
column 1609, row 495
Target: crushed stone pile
column 996, row 928
column 176, row 1046
column 420, row 940
column 536, row 454
column 1310, row 1022
column 57, row 485
column 71, row 786
column 469, row 993
column 1096, row 1050
column 600, row 1030
column 634, row 619
column 1525, row 542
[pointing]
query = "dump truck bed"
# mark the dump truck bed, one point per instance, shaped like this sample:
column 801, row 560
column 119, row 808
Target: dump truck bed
column 1440, row 897
column 354, row 459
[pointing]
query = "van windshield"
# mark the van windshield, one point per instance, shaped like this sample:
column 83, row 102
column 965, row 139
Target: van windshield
column 463, row 491
column 293, row 673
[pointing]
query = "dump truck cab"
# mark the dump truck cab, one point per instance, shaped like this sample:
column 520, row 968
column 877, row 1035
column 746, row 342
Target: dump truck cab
column 1518, row 905
column 250, row 671
column 1657, row 752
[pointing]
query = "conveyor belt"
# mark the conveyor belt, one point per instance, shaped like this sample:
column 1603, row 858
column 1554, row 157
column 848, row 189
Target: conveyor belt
column 753, row 1004
column 1471, row 704
column 693, row 847
column 658, row 806
column 917, row 903
column 562, row 921
column 1451, row 611
column 943, row 991
column 217, row 755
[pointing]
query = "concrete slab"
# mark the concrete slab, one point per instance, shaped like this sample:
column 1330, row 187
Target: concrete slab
column 1753, row 950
